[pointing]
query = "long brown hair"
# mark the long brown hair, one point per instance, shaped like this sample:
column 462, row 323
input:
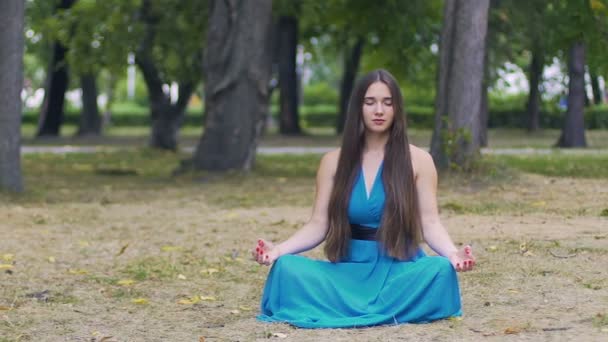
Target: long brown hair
column 400, row 230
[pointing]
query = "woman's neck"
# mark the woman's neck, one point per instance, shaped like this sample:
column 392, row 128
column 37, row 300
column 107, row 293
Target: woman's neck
column 375, row 143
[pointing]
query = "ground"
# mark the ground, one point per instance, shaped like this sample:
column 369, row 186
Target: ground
column 111, row 247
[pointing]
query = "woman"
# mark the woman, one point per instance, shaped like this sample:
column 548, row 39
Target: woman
column 375, row 202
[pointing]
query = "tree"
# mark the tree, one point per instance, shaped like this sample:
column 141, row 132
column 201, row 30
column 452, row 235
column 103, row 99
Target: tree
column 286, row 35
column 166, row 116
column 51, row 114
column 90, row 119
column 11, row 83
column 573, row 132
column 288, row 78
column 455, row 139
column 586, row 31
column 165, row 36
column 237, row 66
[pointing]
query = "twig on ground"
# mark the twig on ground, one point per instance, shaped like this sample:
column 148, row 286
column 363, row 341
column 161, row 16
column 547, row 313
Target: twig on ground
column 562, row 256
column 557, row 329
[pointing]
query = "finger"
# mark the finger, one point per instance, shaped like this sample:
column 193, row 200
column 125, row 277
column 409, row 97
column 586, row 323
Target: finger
column 467, row 250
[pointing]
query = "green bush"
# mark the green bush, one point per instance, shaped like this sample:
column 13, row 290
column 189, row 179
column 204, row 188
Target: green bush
column 325, row 115
column 320, row 93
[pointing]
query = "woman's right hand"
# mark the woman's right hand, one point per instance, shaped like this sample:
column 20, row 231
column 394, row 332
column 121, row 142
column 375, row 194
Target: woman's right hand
column 265, row 253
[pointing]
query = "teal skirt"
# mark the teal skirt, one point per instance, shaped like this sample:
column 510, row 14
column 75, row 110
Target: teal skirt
column 367, row 288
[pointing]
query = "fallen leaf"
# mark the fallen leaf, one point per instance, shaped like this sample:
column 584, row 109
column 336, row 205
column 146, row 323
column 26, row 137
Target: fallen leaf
column 141, row 301
column 279, row 335
column 170, row 248
column 181, row 276
column 208, row 298
column 122, row 250
column 201, row 339
column 84, row 243
column 528, row 254
column 245, row 308
column 5, row 308
column 6, row 266
column 210, row 271
column 105, row 338
column 126, row 282
column 51, row 259
column 492, row 248
column 512, row 330
column 539, row 204
column 513, row 291
column 235, row 312
column 8, row 257
column 77, row 271
column 190, row 301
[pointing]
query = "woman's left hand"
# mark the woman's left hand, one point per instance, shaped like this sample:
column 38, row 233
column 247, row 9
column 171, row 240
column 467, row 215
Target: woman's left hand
column 463, row 260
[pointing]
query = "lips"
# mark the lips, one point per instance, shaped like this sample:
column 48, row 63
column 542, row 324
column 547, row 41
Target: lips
column 378, row 121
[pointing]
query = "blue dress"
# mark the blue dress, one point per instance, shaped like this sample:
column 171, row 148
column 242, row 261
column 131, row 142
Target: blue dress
column 367, row 288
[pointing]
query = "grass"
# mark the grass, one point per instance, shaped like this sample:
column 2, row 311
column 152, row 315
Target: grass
column 184, row 242
column 559, row 165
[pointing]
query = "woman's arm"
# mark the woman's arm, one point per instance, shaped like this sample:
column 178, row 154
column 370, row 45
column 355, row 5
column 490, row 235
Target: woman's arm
column 315, row 230
column 435, row 234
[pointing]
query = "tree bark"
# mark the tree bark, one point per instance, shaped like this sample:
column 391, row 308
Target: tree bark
column 597, row 92
column 11, row 84
column 351, row 66
column 90, row 120
column 288, row 79
column 51, row 115
column 237, row 66
column 484, row 114
column 463, row 83
column 535, row 73
column 573, row 131
column 443, row 75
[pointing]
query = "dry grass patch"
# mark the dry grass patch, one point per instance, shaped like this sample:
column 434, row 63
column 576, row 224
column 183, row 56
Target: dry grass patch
column 145, row 256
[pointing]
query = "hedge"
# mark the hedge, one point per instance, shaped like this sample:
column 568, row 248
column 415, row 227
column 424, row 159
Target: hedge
column 325, row 116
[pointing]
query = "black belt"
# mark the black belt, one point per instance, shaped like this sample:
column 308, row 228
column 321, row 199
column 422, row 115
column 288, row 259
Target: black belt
column 359, row 232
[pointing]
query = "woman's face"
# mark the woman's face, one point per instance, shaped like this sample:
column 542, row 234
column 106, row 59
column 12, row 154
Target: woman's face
column 378, row 111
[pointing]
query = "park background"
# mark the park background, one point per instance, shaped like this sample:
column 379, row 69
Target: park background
column 147, row 144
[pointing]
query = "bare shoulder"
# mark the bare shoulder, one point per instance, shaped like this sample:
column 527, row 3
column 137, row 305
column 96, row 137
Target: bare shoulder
column 422, row 162
column 329, row 162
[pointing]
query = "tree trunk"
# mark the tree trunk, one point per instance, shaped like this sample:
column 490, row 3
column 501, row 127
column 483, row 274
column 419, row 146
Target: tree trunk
column 533, row 104
column 484, row 114
column 11, row 84
column 166, row 118
column 237, row 68
column 597, row 92
column 51, row 115
column 90, row 120
column 443, row 75
column 463, row 88
column 573, row 132
column 351, row 66
column 288, row 79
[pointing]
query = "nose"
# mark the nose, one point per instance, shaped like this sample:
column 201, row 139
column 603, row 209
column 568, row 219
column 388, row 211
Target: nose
column 379, row 108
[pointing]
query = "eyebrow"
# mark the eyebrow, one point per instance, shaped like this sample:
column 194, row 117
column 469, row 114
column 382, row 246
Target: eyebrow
column 373, row 98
